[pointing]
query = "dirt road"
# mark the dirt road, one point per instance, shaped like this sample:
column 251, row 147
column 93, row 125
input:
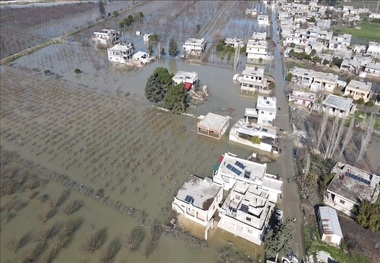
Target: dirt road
column 291, row 203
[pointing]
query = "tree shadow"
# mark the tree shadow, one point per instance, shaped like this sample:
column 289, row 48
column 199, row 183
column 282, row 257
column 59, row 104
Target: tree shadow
column 24, row 240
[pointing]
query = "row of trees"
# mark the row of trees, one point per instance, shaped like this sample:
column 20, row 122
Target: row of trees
column 129, row 20
column 160, row 90
column 368, row 215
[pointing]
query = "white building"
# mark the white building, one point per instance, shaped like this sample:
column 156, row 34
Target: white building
column 325, row 81
column 259, row 35
column 231, row 169
column 246, row 212
column 329, row 227
column 198, row 199
column 194, row 46
column 373, row 69
column 266, row 110
column 120, row 53
column 349, row 186
column 373, row 48
column 252, row 79
column 358, row 89
column 340, row 41
column 213, row 125
column 338, row 106
column 263, row 19
column 235, row 42
column 143, row 57
column 257, row 49
column 188, row 78
column 302, row 98
column 105, row 36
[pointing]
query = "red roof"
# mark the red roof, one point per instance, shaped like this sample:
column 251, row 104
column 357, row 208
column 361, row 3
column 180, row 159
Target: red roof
column 188, row 85
column 220, row 159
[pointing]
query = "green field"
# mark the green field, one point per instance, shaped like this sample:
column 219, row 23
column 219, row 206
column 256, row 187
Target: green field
column 367, row 32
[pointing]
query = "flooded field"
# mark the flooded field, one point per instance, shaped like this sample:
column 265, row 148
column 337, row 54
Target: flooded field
column 101, row 157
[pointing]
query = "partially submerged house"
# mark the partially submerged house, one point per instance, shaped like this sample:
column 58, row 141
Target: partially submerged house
column 231, row 169
column 213, row 125
column 105, row 36
column 266, row 110
column 252, row 79
column 257, row 49
column 350, row 186
column 246, row 212
column 187, row 78
column 194, row 46
column 142, row 57
column 338, row 106
column 263, row 19
column 357, row 89
column 120, row 53
column 198, row 199
column 329, row 227
column 235, row 42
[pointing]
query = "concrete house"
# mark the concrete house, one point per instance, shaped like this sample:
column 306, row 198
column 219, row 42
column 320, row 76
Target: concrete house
column 266, row 110
column 234, row 42
column 338, row 106
column 329, row 227
column 120, row 53
column 373, row 69
column 252, row 79
column 358, row 89
column 231, row 169
column 187, row 78
column 351, row 65
column 325, row 81
column 198, row 199
column 257, row 49
column 263, row 19
column 194, row 46
column 105, row 36
column 302, row 98
column 340, row 41
column 302, row 76
column 142, row 57
column 373, row 48
column 213, row 125
column 350, row 186
column 259, row 35
column 246, row 212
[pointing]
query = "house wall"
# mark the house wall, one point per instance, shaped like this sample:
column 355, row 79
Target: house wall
column 373, row 72
column 266, row 117
column 357, row 94
column 340, row 203
column 196, row 214
column 331, row 239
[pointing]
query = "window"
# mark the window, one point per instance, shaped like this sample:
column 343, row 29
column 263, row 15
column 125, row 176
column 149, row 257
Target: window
column 262, row 112
column 342, row 201
column 248, row 219
column 270, row 113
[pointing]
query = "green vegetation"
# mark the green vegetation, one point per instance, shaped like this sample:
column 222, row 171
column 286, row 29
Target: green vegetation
column 172, row 47
column 102, row 9
column 359, row 117
column 278, row 240
column 369, row 31
column 228, row 50
column 289, row 77
column 115, row 13
column 77, row 71
column 153, row 38
column 198, row 28
column 243, row 50
column 311, row 19
column 127, row 21
column 360, row 101
column 368, row 215
column 255, row 139
column 304, row 55
column 159, row 89
column 314, row 244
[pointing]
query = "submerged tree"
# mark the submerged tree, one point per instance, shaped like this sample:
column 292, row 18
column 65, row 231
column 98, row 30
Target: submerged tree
column 175, row 98
column 102, row 9
column 172, row 47
column 157, row 85
column 134, row 239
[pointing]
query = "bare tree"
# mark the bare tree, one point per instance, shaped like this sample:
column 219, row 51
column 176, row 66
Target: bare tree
column 338, row 138
column 348, row 137
column 366, row 137
column 31, row 253
column 332, row 136
column 42, row 235
column 7, row 206
column 13, row 244
column 134, row 239
column 70, row 207
column 41, row 198
column 43, row 216
column 57, row 242
column 53, row 202
column 323, row 127
column 32, row 183
column 107, row 253
column 92, row 243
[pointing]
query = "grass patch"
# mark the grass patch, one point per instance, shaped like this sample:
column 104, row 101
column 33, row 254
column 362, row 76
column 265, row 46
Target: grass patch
column 368, row 32
column 359, row 258
column 360, row 120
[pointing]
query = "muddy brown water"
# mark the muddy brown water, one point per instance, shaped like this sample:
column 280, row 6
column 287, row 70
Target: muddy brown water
column 84, row 127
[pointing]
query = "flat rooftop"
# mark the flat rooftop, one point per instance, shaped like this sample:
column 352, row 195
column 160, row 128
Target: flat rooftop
column 302, row 94
column 253, row 71
column 186, row 76
column 302, row 72
column 213, row 121
column 338, row 102
column 259, row 35
column 325, row 76
column 122, row 47
column 198, row 190
column 256, row 42
column 264, row 102
column 195, row 40
column 364, row 86
column 242, row 169
column 352, row 183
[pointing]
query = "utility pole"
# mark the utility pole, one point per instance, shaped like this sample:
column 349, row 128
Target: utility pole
column 159, row 50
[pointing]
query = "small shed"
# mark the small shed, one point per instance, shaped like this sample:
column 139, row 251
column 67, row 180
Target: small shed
column 213, row 125
column 329, row 226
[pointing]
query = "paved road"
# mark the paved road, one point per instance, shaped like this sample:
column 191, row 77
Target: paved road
column 291, row 203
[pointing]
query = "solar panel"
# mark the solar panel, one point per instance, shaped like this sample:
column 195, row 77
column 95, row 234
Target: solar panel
column 247, row 174
column 265, row 130
column 239, row 164
column 244, row 208
column 358, row 178
column 189, row 199
column 229, row 166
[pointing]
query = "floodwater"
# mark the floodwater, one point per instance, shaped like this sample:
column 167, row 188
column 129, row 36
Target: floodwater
column 98, row 130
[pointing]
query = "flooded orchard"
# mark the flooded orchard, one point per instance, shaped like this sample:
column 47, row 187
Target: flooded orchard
column 85, row 157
